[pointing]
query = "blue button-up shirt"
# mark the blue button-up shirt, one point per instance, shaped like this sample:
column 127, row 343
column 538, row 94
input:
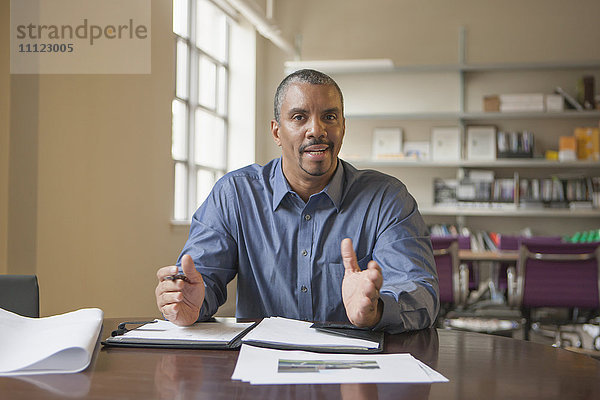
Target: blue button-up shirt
column 286, row 252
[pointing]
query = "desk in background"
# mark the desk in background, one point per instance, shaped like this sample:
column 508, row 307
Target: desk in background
column 479, row 367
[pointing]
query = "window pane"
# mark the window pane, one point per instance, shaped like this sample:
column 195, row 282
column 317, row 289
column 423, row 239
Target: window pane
column 179, row 136
column 180, row 191
column 210, row 140
column 222, row 91
column 181, row 89
column 207, row 83
column 211, row 30
column 204, row 183
column 180, row 17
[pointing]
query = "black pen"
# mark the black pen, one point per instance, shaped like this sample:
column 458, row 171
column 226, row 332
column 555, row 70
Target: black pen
column 176, row 277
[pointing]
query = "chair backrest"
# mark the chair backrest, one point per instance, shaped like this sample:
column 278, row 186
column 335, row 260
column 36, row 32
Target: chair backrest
column 20, row 294
column 553, row 274
column 445, row 252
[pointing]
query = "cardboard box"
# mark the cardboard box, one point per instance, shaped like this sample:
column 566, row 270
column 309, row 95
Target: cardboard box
column 567, row 148
column 491, row 103
column 588, row 143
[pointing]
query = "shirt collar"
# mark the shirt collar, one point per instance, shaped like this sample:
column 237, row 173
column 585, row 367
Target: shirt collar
column 334, row 189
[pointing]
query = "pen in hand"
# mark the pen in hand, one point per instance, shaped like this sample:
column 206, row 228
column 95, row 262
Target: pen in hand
column 176, row 277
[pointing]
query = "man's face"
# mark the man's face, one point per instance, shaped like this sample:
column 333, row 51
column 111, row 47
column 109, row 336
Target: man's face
column 310, row 132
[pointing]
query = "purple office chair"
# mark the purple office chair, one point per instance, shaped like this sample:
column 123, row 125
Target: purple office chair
column 464, row 243
column 556, row 275
column 509, row 242
column 452, row 279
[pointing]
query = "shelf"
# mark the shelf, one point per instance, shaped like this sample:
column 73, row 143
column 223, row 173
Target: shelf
column 405, row 116
column 569, row 114
column 501, row 163
column 340, row 67
column 509, row 212
column 479, row 116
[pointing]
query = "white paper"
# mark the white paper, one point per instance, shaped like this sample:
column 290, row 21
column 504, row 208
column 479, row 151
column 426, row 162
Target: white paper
column 279, row 330
column 222, row 332
column 58, row 344
column 260, row 366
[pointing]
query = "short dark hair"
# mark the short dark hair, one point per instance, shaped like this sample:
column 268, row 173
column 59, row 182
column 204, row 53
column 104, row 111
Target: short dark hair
column 303, row 76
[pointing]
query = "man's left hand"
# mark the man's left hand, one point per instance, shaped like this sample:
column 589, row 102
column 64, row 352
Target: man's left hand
column 360, row 289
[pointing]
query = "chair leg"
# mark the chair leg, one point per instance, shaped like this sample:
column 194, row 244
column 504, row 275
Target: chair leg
column 526, row 312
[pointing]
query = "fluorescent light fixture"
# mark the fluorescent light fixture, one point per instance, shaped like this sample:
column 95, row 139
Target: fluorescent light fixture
column 342, row 66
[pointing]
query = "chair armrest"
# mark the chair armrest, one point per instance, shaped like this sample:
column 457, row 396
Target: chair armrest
column 511, row 279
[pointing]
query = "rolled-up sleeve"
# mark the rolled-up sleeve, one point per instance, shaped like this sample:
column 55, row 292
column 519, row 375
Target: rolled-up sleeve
column 213, row 249
column 410, row 293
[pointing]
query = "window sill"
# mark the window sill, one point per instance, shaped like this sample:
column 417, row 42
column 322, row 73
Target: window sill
column 179, row 222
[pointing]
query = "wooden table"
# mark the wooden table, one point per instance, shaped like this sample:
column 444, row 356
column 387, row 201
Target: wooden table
column 479, row 367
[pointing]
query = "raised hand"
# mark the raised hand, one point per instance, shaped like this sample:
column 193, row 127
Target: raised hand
column 180, row 300
column 360, row 289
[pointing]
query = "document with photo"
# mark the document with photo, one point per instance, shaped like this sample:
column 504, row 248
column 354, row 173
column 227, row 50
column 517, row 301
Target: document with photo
column 270, row 366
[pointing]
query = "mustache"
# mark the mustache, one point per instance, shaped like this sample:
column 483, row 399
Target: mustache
column 314, row 142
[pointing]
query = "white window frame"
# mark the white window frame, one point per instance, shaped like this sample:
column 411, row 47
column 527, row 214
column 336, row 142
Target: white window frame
column 192, row 103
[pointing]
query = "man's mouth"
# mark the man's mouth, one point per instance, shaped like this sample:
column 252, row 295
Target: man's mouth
column 316, row 149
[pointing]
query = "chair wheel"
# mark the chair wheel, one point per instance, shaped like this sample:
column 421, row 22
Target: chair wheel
column 597, row 343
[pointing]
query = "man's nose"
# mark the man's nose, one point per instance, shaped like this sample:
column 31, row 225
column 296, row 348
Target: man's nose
column 316, row 128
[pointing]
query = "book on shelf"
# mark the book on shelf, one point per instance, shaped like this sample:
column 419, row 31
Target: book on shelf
column 444, row 191
column 414, row 150
column 515, row 144
column 387, row 143
column 446, row 143
column 569, row 100
column 554, row 103
column 522, row 102
column 586, row 92
column 481, row 143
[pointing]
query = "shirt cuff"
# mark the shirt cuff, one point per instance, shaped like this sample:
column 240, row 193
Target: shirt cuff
column 388, row 316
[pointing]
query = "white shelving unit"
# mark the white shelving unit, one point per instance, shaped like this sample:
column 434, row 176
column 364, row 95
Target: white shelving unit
column 379, row 101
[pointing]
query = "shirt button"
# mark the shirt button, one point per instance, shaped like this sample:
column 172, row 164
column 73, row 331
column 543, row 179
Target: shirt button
column 307, row 217
column 304, row 289
column 304, row 253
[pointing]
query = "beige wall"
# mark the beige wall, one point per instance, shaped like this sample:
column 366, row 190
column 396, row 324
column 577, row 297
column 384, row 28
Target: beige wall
column 97, row 227
column 4, row 128
column 426, row 32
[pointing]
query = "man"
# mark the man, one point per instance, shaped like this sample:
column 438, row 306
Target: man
column 309, row 236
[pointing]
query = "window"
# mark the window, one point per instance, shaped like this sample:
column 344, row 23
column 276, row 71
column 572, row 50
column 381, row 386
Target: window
column 200, row 106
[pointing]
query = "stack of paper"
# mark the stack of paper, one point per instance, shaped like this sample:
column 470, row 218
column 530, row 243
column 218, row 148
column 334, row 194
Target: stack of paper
column 58, row 344
column 269, row 366
column 287, row 333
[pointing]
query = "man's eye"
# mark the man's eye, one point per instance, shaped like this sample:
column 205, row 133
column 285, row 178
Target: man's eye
column 331, row 117
column 298, row 117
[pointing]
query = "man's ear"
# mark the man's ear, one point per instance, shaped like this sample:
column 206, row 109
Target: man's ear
column 275, row 132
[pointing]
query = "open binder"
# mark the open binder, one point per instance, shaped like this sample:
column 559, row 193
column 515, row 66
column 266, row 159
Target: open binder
column 221, row 333
column 225, row 333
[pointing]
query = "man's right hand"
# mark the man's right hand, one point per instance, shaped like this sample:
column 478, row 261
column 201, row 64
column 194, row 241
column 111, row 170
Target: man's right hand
column 180, row 301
